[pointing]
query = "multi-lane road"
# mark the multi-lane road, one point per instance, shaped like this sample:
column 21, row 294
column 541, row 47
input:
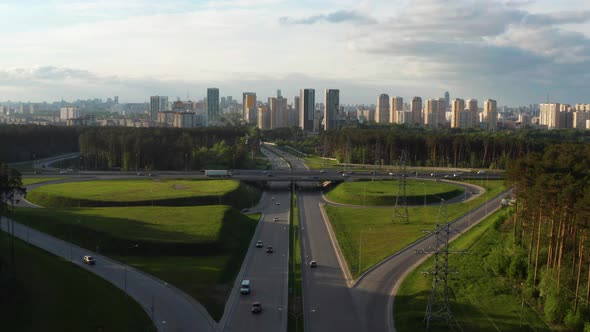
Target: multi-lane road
column 331, row 299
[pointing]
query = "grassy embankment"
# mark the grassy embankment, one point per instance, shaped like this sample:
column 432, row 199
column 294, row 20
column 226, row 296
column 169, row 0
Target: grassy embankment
column 480, row 300
column 373, row 229
column 51, row 294
column 145, row 192
column 295, row 278
column 383, row 193
column 29, row 181
column 199, row 249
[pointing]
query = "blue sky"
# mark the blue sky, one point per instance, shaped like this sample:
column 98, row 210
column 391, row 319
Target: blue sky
column 514, row 51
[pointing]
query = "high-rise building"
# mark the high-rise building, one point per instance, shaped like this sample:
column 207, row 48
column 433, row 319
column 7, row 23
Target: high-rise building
column 212, row 106
column 116, row 99
column 549, row 115
column 67, row 113
column 457, row 109
column 279, row 93
column 306, row 109
column 332, row 105
column 184, row 120
column 382, row 110
column 447, row 100
column 396, row 106
column 431, row 113
column 490, row 114
column 442, row 112
column 263, row 118
column 471, row 105
column 157, row 104
column 416, row 109
column 249, row 110
column 278, row 112
column 296, row 109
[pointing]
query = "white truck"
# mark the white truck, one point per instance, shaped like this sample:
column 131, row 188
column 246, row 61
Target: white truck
column 217, row 173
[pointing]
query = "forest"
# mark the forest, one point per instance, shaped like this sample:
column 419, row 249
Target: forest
column 24, row 142
column 551, row 253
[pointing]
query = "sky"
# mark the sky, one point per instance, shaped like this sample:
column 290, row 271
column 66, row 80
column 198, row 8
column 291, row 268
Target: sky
column 518, row 52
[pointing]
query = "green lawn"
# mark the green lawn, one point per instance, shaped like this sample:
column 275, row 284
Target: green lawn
column 379, row 193
column 145, row 192
column 480, row 300
column 51, row 294
column 371, row 232
column 29, row 181
column 198, row 249
column 295, row 277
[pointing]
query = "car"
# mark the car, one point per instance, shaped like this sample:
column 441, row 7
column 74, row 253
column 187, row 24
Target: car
column 275, row 219
column 372, row 172
column 62, row 172
column 256, row 308
column 322, row 171
column 140, row 174
column 269, row 249
column 272, row 198
column 313, row 264
column 390, row 173
column 481, row 172
column 433, row 174
column 259, row 244
column 245, row 210
column 152, row 174
column 316, row 177
column 447, row 176
column 278, row 203
column 245, row 286
column 344, row 174
column 89, row 260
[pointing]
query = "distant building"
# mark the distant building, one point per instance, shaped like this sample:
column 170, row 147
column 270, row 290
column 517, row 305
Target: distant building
column 157, row 104
column 212, row 106
column 459, row 118
column 549, row 115
column 278, row 112
column 263, row 118
column 490, row 114
column 249, row 110
column 332, row 105
column 447, row 100
column 382, row 110
column 471, row 105
column 184, row 120
column 67, row 113
column 166, row 117
column 416, row 109
column 396, row 106
column 307, row 109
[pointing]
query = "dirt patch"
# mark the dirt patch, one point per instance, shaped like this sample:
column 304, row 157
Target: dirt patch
column 179, row 186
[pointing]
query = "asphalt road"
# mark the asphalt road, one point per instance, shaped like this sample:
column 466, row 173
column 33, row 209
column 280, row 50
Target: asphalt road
column 267, row 272
column 375, row 290
column 169, row 308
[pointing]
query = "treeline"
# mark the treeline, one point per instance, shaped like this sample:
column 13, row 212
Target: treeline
column 438, row 148
column 551, row 251
column 30, row 142
column 167, row 148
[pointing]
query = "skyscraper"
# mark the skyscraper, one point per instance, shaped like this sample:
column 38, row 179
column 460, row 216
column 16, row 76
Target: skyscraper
column 416, row 109
column 471, row 105
column 442, row 112
column 490, row 114
column 332, row 105
column 249, row 110
column 457, row 109
column 278, row 112
column 431, row 113
column 306, row 109
column 447, row 100
column 549, row 115
column 397, row 106
column 212, row 106
column 382, row 110
column 157, row 104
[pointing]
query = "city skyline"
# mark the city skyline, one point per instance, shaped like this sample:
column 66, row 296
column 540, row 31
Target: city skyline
column 510, row 51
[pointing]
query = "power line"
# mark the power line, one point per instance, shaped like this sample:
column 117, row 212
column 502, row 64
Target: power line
column 400, row 210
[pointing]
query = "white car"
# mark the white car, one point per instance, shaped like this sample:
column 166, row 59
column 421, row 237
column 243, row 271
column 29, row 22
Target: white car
column 275, row 219
column 322, row 171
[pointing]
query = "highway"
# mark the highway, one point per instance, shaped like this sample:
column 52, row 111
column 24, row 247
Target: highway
column 267, row 272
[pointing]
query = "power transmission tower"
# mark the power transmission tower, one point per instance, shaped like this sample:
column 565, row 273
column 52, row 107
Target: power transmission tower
column 400, row 210
column 438, row 308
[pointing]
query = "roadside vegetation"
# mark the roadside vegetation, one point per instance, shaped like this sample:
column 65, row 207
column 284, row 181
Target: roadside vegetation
column 198, row 249
column 296, row 318
column 47, row 293
column 145, row 192
column 368, row 235
column 383, row 193
column 480, row 298
column 28, row 181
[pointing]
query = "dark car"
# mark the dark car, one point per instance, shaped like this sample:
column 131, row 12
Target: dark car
column 269, row 249
column 256, row 308
column 313, row 264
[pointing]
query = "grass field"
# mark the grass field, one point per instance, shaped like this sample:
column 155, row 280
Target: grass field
column 371, row 232
column 198, row 249
column 53, row 295
column 295, row 277
column 145, row 192
column 381, row 193
column 480, row 300
column 29, row 181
